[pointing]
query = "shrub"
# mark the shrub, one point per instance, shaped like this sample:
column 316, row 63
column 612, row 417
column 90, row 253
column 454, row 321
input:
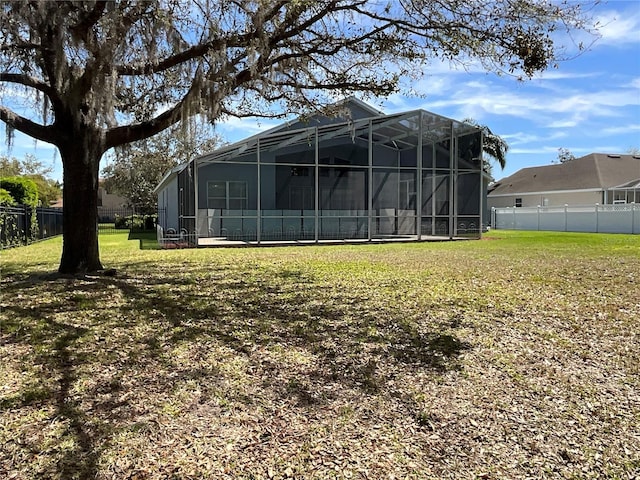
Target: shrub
column 6, row 198
column 122, row 222
column 23, row 190
column 135, row 222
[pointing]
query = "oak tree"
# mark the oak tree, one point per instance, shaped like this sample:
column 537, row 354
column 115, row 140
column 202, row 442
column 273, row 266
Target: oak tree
column 107, row 73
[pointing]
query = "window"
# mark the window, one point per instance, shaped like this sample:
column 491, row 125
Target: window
column 228, row 195
column 518, row 202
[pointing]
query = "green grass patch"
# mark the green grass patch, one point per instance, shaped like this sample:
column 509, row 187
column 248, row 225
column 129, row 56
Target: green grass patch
column 148, row 240
column 510, row 357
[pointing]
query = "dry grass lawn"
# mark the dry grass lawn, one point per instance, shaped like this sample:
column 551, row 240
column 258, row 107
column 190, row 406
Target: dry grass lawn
column 512, row 357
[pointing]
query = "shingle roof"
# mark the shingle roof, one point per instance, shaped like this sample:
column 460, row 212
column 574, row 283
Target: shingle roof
column 596, row 170
column 635, row 183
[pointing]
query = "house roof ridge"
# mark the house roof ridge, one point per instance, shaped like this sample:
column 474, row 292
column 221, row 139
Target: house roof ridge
column 594, row 170
column 596, row 160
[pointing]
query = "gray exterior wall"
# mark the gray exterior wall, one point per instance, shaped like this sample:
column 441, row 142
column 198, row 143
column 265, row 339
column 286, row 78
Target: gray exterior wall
column 552, row 199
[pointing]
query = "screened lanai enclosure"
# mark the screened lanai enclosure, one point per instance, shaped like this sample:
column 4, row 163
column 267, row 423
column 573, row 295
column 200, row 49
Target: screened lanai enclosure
column 374, row 177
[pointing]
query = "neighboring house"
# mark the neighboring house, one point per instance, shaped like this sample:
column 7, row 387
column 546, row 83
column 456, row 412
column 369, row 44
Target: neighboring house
column 106, row 201
column 364, row 176
column 595, row 178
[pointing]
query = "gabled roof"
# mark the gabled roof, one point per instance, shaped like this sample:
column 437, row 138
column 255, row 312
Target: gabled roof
column 594, row 171
column 399, row 130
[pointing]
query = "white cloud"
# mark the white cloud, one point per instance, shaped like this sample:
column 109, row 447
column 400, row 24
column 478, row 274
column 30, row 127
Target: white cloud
column 564, row 123
column 553, row 149
column 619, row 27
column 623, row 129
column 524, row 138
column 233, row 129
column 635, row 83
column 556, row 75
column 533, row 151
column 562, row 107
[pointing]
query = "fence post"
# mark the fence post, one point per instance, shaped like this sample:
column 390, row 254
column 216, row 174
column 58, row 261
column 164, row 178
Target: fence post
column 597, row 222
column 538, row 220
column 26, row 223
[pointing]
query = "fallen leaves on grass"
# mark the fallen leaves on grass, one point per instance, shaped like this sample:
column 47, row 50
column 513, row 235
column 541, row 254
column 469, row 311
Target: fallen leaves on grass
column 342, row 362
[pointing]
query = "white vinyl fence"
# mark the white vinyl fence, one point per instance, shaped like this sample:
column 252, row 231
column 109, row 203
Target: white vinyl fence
column 588, row 218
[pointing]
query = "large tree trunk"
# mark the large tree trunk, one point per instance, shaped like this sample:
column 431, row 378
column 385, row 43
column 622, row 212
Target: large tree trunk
column 81, row 162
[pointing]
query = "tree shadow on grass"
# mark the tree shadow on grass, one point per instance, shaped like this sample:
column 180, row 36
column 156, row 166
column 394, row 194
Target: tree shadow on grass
column 148, row 239
column 73, row 328
column 55, row 357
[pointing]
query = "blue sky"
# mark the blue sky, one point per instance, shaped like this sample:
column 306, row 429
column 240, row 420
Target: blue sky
column 589, row 104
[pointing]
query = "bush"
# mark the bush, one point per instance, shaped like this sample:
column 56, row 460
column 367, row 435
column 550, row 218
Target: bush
column 122, row 222
column 6, row 198
column 23, row 190
column 135, row 222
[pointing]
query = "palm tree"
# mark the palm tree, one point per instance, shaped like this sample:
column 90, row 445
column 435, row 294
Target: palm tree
column 493, row 145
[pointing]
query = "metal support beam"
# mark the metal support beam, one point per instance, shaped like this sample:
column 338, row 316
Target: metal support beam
column 317, row 187
column 259, row 195
column 419, row 180
column 452, row 221
column 370, row 173
column 195, row 198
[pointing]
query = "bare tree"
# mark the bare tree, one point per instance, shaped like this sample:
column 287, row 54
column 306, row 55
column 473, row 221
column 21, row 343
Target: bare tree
column 107, row 73
column 633, row 150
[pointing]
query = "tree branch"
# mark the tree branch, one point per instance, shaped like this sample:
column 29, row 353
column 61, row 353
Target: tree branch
column 88, row 20
column 172, row 61
column 131, row 133
column 21, row 46
column 28, row 127
column 199, row 50
column 28, row 81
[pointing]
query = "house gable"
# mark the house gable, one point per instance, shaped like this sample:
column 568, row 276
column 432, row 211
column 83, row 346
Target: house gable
column 594, row 171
